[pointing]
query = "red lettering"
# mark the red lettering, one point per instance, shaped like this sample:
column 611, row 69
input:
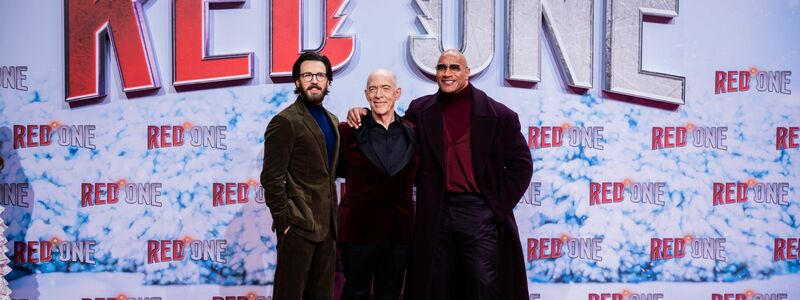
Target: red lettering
column 99, row 193
column 87, row 24
column 165, row 248
column 86, row 194
column 667, row 248
column 546, row 136
column 618, row 189
column 533, row 134
column 791, row 248
column 744, row 81
column 177, row 250
column 730, row 193
column 732, row 81
column 717, row 189
column 46, row 252
column 544, row 248
column 794, row 132
column 165, row 134
column 656, row 246
column 99, row 190
column 45, row 135
column 285, row 36
column 19, row 253
column 778, row 249
column 229, row 191
column 606, row 190
column 544, row 245
column 32, row 133
column 532, row 245
column 152, row 252
column 594, row 193
column 669, row 133
column 177, row 136
column 556, row 244
column 680, row 248
column 680, row 137
column 112, row 195
column 19, row 136
column 658, row 136
column 152, row 137
column 32, row 249
column 741, row 192
column 558, row 136
column 719, row 82
column 216, row 190
column 194, row 63
column 243, row 189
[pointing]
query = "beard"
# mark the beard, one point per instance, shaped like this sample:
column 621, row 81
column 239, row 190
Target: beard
column 315, row 99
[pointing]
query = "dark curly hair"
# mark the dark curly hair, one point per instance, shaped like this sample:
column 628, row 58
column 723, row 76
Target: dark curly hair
column 311, row 55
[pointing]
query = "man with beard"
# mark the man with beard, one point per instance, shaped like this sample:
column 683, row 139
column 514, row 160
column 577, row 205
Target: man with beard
column 300, row 154
column 474, row 167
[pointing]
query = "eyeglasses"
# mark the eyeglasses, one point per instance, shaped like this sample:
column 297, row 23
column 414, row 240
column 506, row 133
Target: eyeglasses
column 443, row 68
column 307, row 77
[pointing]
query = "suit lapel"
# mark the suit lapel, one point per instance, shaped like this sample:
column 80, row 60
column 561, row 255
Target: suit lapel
column 335, row 129
column 484, row 120
column 362, row 138
column 313, row 127
column 434, row 130
column 412, row 145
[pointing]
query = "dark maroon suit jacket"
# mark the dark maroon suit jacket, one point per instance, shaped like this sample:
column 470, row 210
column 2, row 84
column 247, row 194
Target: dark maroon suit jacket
column 375, row 205
column 503, row 168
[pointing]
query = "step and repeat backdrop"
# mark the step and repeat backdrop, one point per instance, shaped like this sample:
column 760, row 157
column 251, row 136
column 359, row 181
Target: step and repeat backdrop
column 665, row 137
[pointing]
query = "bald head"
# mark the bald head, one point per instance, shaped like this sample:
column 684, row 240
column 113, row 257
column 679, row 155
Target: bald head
column 382, row 74
column 455, row 55
column 452, row 72
column 382, row 93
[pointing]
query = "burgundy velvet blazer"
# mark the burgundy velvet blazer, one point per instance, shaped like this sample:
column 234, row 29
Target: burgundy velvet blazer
column 375, row 205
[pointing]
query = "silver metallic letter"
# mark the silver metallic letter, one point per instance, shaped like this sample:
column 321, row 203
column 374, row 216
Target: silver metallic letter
column 623, row 52
column 569, row 25
column 478, row 35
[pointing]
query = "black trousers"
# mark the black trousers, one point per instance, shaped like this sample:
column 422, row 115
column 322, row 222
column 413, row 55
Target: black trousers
column 305, row 269
column 384, row 262
column 466, row 251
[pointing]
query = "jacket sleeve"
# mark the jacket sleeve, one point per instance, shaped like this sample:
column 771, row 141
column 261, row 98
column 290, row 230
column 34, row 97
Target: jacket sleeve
column 277, row 152
column 517, row 167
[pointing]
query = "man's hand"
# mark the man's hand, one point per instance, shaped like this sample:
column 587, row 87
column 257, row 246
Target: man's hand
column 354, row 116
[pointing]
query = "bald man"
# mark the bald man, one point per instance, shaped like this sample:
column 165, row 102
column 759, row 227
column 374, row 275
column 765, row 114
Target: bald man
column 474, row 167
column 378, row 161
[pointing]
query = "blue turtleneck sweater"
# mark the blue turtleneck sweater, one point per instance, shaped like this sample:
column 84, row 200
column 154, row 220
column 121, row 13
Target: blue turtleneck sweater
column 318, row 112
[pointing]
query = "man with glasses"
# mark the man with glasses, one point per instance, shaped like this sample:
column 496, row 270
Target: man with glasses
column 474, row 167
column 300, row 155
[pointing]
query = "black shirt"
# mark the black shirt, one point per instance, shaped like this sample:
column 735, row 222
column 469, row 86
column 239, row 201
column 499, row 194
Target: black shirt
column 389, row 145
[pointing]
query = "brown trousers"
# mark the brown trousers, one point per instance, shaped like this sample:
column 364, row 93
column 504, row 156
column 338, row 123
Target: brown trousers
column 305, row 269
